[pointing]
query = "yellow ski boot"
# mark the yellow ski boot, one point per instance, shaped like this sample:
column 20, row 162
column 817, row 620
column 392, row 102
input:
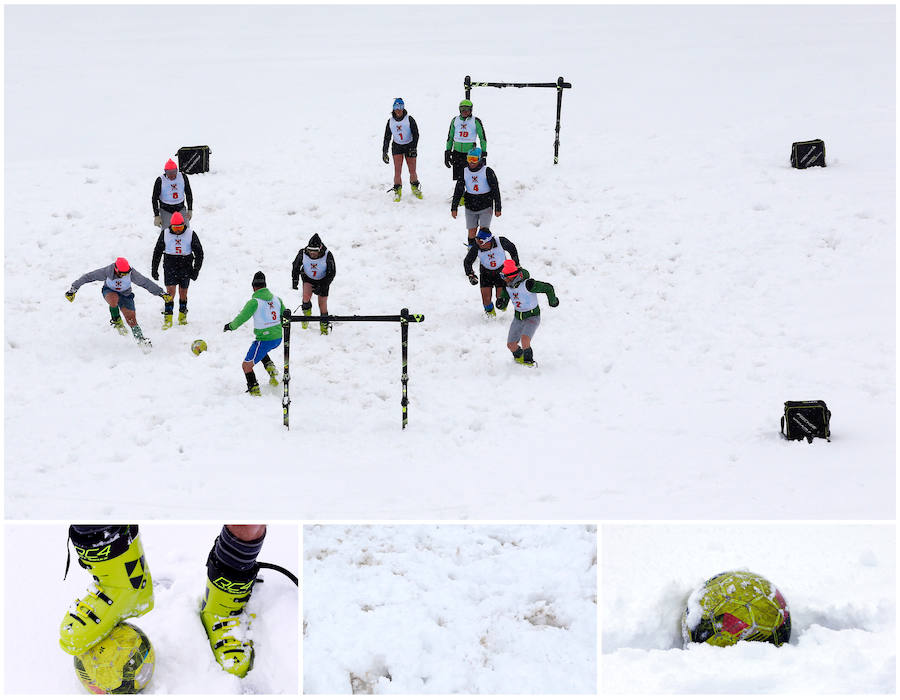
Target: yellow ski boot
column 167, row 321
column 122, row 586
column 182, row 318
column 221, row 614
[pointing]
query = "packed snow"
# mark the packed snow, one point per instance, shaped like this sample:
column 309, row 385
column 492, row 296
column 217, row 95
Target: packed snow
column 431, row 609
column 703, row 281
column 37, row 598
column 839, row 581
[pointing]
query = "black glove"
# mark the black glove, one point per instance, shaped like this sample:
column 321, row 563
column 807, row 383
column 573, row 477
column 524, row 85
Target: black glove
column 294, row 286
column 483, row 154
column 155, row 274
column 384, row 157
column 473, row 278
column 226, row 328
column 502, row 303
column 195, row 274
column 447, row 159
column 554, row 302
column 412, row 153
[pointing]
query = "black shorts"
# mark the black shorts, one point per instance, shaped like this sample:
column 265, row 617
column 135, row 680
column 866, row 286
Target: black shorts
column 320, row 289
column 177, row 270
column 490, row 278
column 401, row 148
column 458, row 161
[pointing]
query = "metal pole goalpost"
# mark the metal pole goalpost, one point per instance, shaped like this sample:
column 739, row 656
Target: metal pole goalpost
column 560, row 85
column 404, row 319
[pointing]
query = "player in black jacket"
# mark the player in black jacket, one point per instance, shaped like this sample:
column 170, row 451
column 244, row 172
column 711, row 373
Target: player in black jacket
column 314, row 264
column 482, row 192
column 182, row 256
column 492, row 251
column 403, row 130
column 170, row 193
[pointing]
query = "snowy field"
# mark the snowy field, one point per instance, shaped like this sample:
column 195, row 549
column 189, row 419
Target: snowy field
column 839, row 582
column 702, row 280
column 458, row 609
column 36, row 598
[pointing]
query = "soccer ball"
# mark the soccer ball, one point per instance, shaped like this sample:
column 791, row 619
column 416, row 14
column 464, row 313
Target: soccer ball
column 735, row 606
column 121, row 663
column 198, row 346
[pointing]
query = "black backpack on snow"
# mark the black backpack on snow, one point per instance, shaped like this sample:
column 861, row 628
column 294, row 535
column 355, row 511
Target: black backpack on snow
column 806, row 419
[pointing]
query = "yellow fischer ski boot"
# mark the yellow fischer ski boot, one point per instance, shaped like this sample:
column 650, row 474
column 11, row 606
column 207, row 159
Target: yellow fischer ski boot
column 306, row 307
column 223, row 618
column 182, row 318
column 122, row 586
column 167, row 321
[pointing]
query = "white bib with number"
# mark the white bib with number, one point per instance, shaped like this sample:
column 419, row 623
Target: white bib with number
column 476, row 183
column 315, row 267
column 178, row 243
column 401, row 130
column 268, row 313
column 493, row 259
column 464, row 130
column 172, row 191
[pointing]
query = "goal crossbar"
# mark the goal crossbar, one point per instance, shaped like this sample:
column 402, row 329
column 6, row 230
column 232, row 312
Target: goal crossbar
column 404, row 318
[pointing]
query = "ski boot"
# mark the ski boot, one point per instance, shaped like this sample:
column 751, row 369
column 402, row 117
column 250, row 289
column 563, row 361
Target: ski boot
column 182, row 318
column 167, row 321
column 273, row 373
column 307, row 311
column 223, row 603
column 142, row 341
column 528, row 358
column 490, row 311
column 398, row 192
column 519, row 355
column 254, row 390
column 122, row 586
column 118, row 325
column 417, row 193
column 324, row 327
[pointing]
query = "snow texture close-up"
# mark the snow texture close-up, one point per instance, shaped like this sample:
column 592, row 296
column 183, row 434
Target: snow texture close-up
column 702, row 280
column 37, row 599
column 441, row 609
column 839, row 581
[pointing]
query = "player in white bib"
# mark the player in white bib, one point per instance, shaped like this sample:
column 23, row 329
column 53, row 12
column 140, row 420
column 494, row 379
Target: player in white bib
column 481, row 188
column 315, row 266
column 171, row 193
column 492, row 251
column 522, row 293
column 117, row 278
column 402, row 133
column 466, row 132
column 182, row 256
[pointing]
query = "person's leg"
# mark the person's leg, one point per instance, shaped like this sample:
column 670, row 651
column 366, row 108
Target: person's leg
column 306, row 306
column 114, row 556
column 411, row 166
column 231, row 572
column 398, row 167
column 182, row 299
column 247, row 365
column 112, row 299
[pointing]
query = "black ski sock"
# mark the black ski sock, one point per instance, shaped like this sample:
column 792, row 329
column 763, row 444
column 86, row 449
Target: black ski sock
column 306, row 306
column 517, row 353
column 168, row 307
column 529, row 355
column 234, row 553
column 251, row 379
column 182, row 306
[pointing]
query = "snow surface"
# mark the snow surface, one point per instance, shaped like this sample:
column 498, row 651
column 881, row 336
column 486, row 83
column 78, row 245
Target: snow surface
column 465, row 609
column 36, row 599
column 702, row 280
column 839, row 580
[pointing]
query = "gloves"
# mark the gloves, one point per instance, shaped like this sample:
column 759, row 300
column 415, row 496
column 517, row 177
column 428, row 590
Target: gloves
column 483, row 155
column 157, row 221
column 167, row 297
column 190, row 213
column 226, row 328
column 501, row 303
column 447, row 158
column 195, row 274
column 412, row 153
column 384, row 157
column 70, row 295
column 294, row 286
column 155, row 274
column 473, row 278
column 554, row 302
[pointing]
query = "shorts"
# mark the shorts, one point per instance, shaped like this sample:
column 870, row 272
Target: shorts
column 490, row 278
column 481, row 218
column 523, row 326
column 166, row 211
column 320, row 289
column 177, row 270
column 458, row 163
column 126, row 299
column 260, row 348
column 401, row 149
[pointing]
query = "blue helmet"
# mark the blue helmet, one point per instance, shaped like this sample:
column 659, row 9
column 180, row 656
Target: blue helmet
column 474, row 155
column 398, row 103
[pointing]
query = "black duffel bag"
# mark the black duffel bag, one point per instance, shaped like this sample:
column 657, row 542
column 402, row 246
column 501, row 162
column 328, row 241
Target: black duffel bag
column 193, row 159
column 806, row 419
column 806, row 154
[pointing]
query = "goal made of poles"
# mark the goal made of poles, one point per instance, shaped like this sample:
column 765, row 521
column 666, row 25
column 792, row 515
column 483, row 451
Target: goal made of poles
column 560, row 85
column 404, row 319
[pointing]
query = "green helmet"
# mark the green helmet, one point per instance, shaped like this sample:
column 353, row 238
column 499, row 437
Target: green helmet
column 466, row 103
column 735, row 606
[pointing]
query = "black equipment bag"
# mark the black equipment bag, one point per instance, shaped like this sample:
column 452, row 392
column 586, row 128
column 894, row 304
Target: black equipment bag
column 805, row 154
column 806, row 419
column 193, row 159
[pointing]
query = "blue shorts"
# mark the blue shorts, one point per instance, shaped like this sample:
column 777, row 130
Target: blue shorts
column 260, row 349
column 126, row 299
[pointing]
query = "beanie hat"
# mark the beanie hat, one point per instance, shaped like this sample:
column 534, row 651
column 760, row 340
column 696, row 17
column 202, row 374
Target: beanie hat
column 509, row 268
column 122, row 265
column 177, row 219
column 170, row 165
column 259, row 279
column 484, row 235
column 398, row 103
column 314, row 242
